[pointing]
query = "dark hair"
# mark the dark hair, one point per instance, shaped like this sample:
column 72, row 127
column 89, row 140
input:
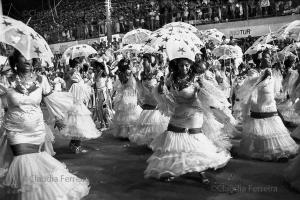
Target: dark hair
column 13, row 60
column 289, row 62
column 98, row 66
column 74, row 62
column 85, row 67
column 124, row 65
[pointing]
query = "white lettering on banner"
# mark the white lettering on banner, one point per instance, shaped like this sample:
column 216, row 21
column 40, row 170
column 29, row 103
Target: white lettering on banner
column 250, row 30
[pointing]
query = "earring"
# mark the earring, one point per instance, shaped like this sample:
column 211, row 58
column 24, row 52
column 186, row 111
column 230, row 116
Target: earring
column 15, row 68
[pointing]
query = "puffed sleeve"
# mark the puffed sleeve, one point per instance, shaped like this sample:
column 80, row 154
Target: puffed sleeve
column 58, row 103
column 46, row 87
column 166, row 102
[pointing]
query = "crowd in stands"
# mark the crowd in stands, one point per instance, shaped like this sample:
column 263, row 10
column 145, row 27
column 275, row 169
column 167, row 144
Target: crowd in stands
column 75, row 20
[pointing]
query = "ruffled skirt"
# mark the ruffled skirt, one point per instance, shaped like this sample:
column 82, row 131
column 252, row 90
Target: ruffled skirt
column 39, row 176
column 288, row 112
column 266, row 139
column 150, row 124
column 292, row 173
column 125, row 119
column 79, row 124
column 176, row 154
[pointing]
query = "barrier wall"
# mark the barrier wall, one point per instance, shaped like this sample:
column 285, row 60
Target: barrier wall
column 253, row 27
column 238, row 29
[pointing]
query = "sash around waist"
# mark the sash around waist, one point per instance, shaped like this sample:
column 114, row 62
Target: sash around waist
column 148, row 107
column 262, row 115
column 177, row 129
column 26, row 148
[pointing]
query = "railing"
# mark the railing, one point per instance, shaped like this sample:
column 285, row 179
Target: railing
column 152, row 21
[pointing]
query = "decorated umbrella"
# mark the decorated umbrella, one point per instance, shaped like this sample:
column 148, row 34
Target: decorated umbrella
column 177, row 47
column 226, row 52
column 292, row 47
column 160, row 38
column 136, row 36
column 210, row 34
column 260, row 47
column 80, row 50
column 291, row 30
column 182, row 25
column 269, row 37
column 137, row 48
column 25, row 39
column 282, row 55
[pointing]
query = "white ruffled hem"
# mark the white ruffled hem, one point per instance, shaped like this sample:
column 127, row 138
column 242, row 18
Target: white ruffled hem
column 266, row 139
column 179, row 153
column 39, row 176
column 151, row 123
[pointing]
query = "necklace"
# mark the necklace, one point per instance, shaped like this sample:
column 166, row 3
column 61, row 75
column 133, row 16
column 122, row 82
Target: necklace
column 26, row 88
column 182, row 83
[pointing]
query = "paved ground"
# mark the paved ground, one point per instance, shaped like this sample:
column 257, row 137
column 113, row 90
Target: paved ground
column 115, row 170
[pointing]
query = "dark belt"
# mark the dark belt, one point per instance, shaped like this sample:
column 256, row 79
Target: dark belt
column 262, row 115
column 45, row 95
column 177, row 129
column 148, row 107
column 25, row 148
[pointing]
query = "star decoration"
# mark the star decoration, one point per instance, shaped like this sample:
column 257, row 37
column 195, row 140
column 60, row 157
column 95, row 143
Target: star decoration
column 77, row 48
column 187, row 43
column 33, row 37
column 71, row 48
column 158, row 35
column 165, row 39
column 6, row 23
column 148, row 41
column 161, row 48
column 181, row 50
column 46, row 47
column 37, row 51
column 193, row 49
column 83, row 46
column 130, row 46
column 20, row 32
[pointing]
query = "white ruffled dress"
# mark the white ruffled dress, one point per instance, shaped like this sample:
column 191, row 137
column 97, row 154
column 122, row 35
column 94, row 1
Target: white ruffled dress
column 265, row 138
column 78, row 119
column 151, row 122
column 33, row 176
column 126, row 108
column 178, row 153
column 286, row 107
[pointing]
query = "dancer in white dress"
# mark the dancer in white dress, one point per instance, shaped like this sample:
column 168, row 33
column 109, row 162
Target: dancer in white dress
column 264, row 135
column 185, row 146
column 151, row 122
column 32, row 173
column 79, row 124
column 126, row 108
